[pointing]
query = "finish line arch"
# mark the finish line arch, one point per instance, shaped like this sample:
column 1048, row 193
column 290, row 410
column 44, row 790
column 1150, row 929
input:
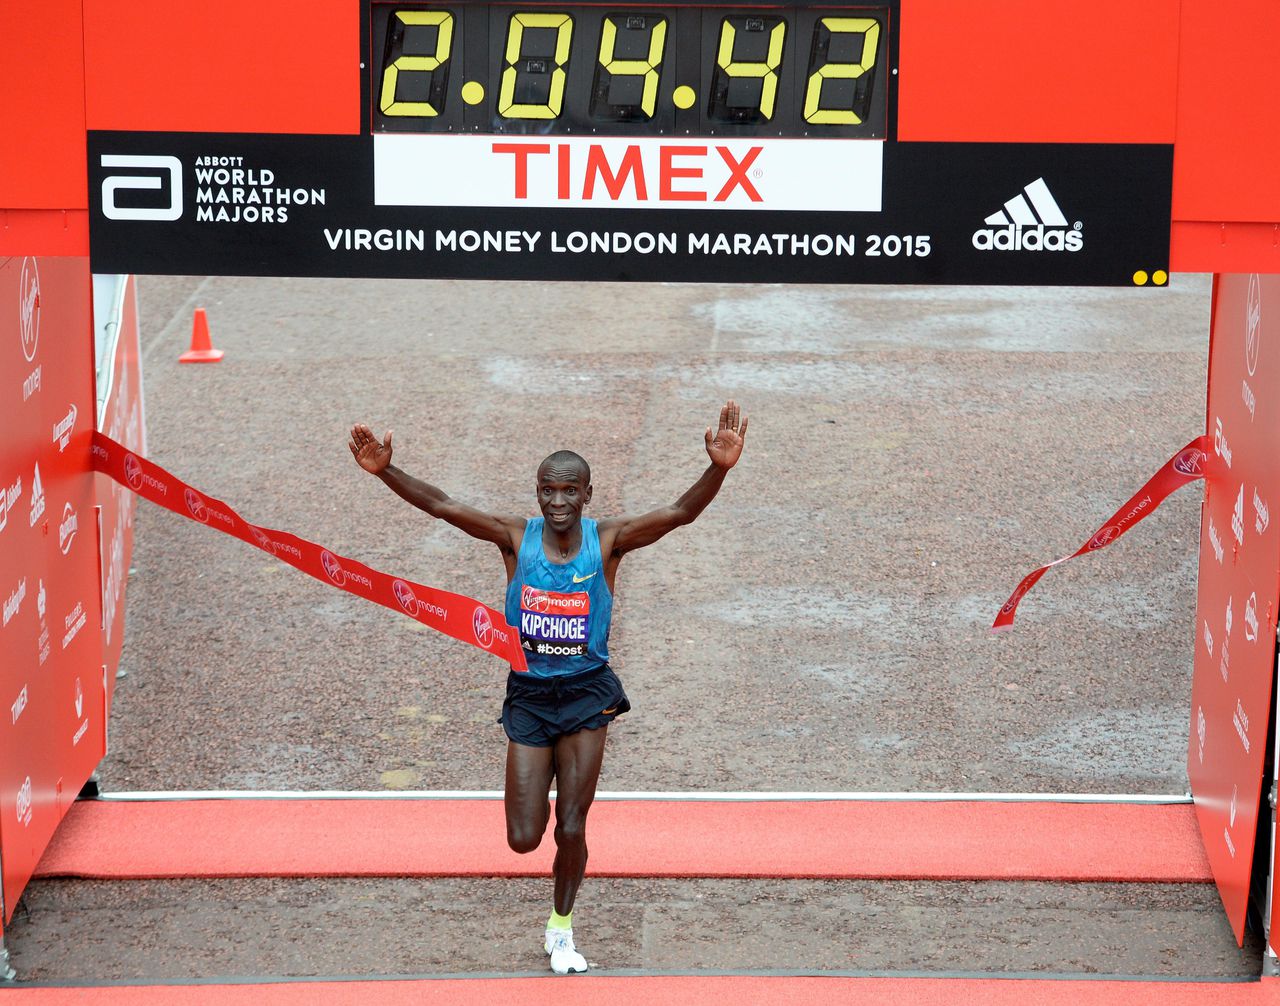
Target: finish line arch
column 1115, row 145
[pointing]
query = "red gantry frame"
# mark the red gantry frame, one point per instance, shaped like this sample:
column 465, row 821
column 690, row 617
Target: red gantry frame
column 1189, row 81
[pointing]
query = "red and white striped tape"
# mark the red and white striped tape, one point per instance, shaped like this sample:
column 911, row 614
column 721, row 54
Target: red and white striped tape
column 1186, row 466
column 453, row 614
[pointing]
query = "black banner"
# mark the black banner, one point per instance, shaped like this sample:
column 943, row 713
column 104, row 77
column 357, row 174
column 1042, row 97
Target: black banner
column 950, row 213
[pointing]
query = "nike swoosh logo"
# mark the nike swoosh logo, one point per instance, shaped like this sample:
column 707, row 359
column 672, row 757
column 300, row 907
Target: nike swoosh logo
column 582, row 579
column 609, row 712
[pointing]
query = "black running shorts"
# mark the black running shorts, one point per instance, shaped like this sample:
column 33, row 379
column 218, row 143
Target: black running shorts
column 537, row 711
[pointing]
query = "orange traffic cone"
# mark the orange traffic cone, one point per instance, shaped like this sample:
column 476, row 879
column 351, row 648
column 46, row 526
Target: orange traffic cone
column 201, row 350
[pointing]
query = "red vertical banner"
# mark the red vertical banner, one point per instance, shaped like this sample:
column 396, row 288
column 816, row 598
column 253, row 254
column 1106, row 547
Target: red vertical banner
column 51, row 691
column 1239, row 580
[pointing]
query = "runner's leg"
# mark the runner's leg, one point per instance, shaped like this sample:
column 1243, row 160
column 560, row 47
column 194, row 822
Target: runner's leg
column 577, row 766
column 529, row 772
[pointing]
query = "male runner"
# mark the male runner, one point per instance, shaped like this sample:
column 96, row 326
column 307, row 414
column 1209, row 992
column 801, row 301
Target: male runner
column 560, row 576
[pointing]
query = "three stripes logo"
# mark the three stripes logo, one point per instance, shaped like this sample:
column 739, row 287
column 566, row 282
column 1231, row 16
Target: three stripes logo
column 1030, row 221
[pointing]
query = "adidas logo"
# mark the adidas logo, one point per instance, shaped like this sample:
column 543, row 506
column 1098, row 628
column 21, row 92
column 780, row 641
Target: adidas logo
column 1030, row 221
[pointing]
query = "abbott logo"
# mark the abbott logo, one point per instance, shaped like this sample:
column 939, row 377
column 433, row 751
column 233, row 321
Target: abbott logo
column 149, row 183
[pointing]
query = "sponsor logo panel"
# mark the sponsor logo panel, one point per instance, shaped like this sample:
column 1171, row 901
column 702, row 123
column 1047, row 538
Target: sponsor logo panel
column 820, row 175
column 1030, row 221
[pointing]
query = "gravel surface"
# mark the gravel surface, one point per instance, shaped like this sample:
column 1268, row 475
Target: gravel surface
column 175, row 930
column 823, row 626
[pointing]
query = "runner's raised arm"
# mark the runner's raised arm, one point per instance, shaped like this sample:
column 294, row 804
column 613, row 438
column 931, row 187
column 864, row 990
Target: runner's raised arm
column 624, row 534
column 374, row 456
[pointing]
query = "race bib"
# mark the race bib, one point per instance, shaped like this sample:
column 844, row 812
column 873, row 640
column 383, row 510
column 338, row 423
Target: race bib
column 555, row 625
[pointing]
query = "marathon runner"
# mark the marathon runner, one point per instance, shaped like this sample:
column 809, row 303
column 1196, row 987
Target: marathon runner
column 561, row 569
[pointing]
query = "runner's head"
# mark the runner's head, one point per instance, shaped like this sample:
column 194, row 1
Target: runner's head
column 564, row 488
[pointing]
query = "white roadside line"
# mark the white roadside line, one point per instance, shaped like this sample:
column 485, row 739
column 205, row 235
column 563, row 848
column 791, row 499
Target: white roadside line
column 688, row 797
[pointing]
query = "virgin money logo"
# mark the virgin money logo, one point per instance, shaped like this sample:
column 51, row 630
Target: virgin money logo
column 482, row 626
column 332, row 567
column 79, row 699
column 196, row 507
column 1018, row 595
column 1190, row 463
column 1251, row 617
column 260, row 537
column 1252, row 323
column 29, row 307
column 1104, row 537
column 133, row 472
column 404, row 594
column 534, row 600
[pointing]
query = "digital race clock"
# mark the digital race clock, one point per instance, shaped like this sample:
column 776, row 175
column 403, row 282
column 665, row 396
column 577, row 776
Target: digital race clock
column 629, row 70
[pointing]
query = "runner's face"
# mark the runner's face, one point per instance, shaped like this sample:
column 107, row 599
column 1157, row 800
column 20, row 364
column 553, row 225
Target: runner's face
column 562, row 493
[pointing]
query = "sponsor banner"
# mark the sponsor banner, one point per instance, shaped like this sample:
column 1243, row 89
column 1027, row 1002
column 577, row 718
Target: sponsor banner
column 452, row 614
column 837, row 176
column 50, row 741
column 1188, row 465
column 556, row 207
column 1239, row 583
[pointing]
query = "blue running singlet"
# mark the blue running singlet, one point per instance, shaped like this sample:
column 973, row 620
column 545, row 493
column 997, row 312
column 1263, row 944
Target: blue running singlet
column 561, row 610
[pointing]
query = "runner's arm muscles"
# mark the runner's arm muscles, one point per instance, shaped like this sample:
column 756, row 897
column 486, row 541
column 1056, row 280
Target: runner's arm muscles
column 630, row 533
column 438, row 503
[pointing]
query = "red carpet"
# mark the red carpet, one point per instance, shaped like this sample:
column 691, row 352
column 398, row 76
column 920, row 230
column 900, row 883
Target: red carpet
column 661, row 991
column 425, row 838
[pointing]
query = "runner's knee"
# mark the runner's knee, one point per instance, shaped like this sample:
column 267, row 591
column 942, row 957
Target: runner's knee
column 523, row 838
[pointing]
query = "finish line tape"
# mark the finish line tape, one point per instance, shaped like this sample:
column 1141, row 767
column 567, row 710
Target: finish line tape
column 461, row 617
column 1185, row 466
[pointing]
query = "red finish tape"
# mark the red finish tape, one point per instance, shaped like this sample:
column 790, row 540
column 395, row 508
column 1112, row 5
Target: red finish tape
column 1186, row 466
column 453, row 614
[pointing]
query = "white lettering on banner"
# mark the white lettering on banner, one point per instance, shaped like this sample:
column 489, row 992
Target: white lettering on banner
column 821, row 245
column 115, row 573
column 1231, row 846
column 1241, row 722
column 1252, row 323
column 42, row 643
column 67, row 528
column 19, row 704
column 24, row 802
column 63, row 427
column 1220, row 445
column 1224, row 665
column 1215, row 541
column 1237, row 517
column 1251, row 617
column 833, row 176
column 385, row 239
column 1248, row 397
column 31, row 383
column 1201, row 730
column 8, row 497
column 79, row 699
column 1261, row 513
column 80, row 733
column 29, row 308
column 73, row 623
column 1208, row 639
column 137, row 477
column 14, row 601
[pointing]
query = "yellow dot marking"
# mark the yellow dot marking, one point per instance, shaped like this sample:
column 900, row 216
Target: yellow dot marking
column 1159, row 277
column 1140, row 278
column 473, row 92
column 684, row 96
